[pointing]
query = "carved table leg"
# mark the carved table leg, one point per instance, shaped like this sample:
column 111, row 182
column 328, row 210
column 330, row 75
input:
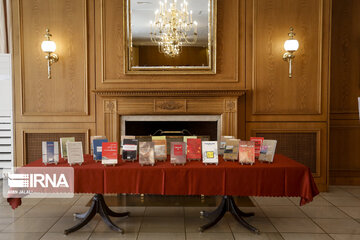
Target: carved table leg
column 227, row 204
column 98, row 205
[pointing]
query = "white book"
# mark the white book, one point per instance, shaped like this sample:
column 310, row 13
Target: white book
column 210, row 152
column 267, row 151
column 50, row 152
column 63, row 148
column 75, row 152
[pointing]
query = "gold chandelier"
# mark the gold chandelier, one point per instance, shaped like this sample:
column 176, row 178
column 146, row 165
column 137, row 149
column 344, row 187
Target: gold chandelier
column 173, row 27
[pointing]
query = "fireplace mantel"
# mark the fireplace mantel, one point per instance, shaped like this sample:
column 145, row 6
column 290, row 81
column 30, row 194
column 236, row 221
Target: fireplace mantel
column 113, row 104
column 168, row 93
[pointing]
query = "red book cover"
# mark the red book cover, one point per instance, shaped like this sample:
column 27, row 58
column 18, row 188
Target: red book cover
column 193, row 149
column 109, row 152
column 258, row 142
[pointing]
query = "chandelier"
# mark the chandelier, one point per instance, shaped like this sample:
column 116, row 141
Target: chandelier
column 173, row 28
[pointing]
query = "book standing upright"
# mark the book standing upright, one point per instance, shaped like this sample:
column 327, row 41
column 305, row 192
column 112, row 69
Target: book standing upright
column 178, row 153
column 109, row 153
column 193, row 149
column 146, row 153
column 210, row 152
column 50, row 152
column 75, row 153
column 63, row 148
column 247, row 152
column 129, row 152
column 231, row 152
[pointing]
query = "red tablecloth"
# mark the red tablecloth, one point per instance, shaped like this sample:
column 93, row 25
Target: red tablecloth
column 283, row 178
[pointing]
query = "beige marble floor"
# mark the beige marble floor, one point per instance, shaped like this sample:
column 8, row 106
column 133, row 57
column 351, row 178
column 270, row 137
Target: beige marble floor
column 332, row 215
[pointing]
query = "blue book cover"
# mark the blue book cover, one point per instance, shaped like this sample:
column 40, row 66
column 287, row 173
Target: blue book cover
column 97, row 143
column 50, row 151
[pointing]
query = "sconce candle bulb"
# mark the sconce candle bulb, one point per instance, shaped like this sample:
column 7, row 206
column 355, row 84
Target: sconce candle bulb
column 49, row 48
column 291, row 45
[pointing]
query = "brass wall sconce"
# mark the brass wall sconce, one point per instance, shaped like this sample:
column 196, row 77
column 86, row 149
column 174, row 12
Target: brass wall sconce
column 291, row 45
column 49, row 48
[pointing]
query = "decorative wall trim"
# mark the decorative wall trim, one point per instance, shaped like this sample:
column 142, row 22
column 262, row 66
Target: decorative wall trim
column 167, row 92
column 169, row 105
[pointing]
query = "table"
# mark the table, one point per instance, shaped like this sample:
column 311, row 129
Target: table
column 283, row 178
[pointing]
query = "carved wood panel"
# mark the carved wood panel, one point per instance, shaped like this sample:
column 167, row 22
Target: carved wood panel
column 67, row 92
column 273, row 92
column 345, row 58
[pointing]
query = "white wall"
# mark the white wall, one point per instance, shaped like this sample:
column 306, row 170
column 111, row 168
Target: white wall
column 6, row 126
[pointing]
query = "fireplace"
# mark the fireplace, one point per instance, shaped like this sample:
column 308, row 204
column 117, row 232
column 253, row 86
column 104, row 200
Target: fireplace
column 150, row 125
column 142, row 112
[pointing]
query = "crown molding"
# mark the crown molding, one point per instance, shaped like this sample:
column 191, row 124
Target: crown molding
column 169, row 93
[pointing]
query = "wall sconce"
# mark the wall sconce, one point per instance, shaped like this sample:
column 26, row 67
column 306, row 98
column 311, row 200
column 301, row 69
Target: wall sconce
column 290, row 46
column 49, row 48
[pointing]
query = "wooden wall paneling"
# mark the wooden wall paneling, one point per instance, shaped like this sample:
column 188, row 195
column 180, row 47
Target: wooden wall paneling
column 23, row 128
column 66, row 97
column 345, row 55
column 344, row 152
column 280, row 128
column 274, row 96
column 110, row 72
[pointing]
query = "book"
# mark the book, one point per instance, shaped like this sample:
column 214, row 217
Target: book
column 130, row 147
column 193, row 149
column 267, row 151
column 258, row 141
column 63, row 148
column 146, row 153
column 153, row 138
column 50, row 152
column 92, row 142
column 98, row 148
column 210, row 152
column 185, row 138
column 178, row 153
column 231, row 152
column 122, row 142
column 222, row 143
column 246, row 152
column 75, row 152
column 160, row 150
column 109, row 153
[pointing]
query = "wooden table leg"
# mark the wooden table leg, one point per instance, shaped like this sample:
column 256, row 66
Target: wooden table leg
column 98, row 205
column 227, row 204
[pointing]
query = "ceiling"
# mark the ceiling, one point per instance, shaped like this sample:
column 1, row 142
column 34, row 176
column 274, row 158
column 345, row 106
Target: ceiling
column 142, row 12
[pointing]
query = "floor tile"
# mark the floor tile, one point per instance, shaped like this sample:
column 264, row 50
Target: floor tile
column 295, row 200
column 261, row 236
column 261, row 223
column 7, row 212
column 192, row 224
column 61, row 236
column 209, row 236
column 323, row 212
column 283, row 211
column 163, row 224
column 345, row 237
column 164, row 212
column 59, row 201
column 306, row 236
column 195, row 211
column 129, row 225
column 161, row 236
column 349, row 226
column 353, row 212
column 30, row 201
column 295, row 225
column 344, row 201
column 28, row 225
column 44, row 211
column 319, row 201
column 20, row 236
column 273, row 201
column 68, row 222
column 334, row 191
column 84, row 199
column 113, row 236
